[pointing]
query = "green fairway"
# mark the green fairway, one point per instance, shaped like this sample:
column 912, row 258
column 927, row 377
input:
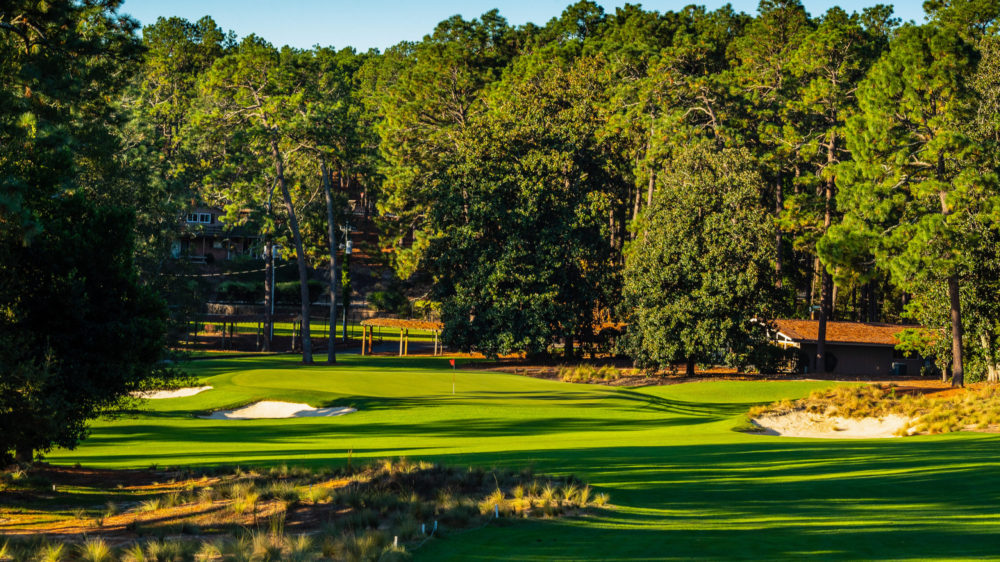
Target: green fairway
column 683, row 483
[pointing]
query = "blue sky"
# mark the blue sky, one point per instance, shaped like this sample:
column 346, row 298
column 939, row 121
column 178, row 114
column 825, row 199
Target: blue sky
column 381, row 23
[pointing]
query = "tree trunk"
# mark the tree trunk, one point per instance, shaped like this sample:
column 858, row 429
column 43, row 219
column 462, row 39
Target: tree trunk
column 825, row 313
column 989, row 354
column 611, row 228
column 779, row 239
column 954, row 296
column 689, row 366
column 826, row 280
column 649, row 191
column 812, row 288
column 300, row 254
column 345, row 268
column 635, row 207
column 268, row 292
column 957, row 372
column 331, row 352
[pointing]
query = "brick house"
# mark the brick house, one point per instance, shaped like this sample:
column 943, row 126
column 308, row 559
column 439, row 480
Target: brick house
column 203, row 238
column 852, row 348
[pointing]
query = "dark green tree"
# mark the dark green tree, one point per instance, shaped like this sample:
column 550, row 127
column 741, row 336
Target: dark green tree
column 259, row 94
column 828, row 65
column 916, row 182
column 426, row 110
column 699, row 279
column 522, row 256
column 78, row 331
column 762, row 59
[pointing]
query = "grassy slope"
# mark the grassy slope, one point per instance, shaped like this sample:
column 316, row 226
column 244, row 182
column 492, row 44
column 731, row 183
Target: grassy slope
column 684, row 483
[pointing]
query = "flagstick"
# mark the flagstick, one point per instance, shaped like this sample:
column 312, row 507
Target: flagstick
column 453, row 369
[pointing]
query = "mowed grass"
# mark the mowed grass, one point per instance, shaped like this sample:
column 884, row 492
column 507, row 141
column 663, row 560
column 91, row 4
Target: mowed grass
column 683, row 484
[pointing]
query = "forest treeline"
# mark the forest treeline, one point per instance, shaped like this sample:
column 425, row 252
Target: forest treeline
column 684, row 177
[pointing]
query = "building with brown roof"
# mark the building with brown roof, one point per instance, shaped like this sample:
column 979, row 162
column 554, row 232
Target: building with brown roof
column 852, row 348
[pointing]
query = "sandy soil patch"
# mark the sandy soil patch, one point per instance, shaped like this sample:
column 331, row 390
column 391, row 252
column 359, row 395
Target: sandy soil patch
column 803, row 424
column 177, row 393
column 269, row 409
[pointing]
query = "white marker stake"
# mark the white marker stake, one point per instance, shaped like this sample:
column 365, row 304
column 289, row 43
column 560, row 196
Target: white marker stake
column 496, row 511
column 423, row 528
column 395, row 541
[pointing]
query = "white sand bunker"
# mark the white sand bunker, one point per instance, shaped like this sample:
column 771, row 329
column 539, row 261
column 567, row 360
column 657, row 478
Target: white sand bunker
column 804, row 424
column 273, row 410
column 176, row 393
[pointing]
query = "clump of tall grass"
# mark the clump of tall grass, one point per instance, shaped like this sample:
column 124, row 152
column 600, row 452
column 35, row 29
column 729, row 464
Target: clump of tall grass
column 51, row 552
column 589, row 373
column 95, row 550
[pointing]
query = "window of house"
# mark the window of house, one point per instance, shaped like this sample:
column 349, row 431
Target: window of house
column 200, row 218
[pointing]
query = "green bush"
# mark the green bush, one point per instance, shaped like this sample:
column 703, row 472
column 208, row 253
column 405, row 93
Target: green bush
column 288, row 292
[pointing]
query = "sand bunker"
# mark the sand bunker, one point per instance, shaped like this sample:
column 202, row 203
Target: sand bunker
column 177, row 393
column 274, row 410
column 804, row 424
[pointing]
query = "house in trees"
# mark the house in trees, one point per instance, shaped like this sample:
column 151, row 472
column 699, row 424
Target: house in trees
column 852, row 348
column 204, row 238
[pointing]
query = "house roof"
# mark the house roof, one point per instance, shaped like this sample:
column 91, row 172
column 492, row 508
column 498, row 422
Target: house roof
column 867, row 333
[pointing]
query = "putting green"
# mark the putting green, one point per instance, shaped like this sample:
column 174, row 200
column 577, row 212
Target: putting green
column 684, row 484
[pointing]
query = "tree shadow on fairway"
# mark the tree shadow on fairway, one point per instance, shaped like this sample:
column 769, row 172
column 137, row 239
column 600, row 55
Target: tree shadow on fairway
column 470, row 398
column 620, row 400
column 781, row 499
column 565, row 541
column 222, row 365
column 634, row 399
column 218, row 435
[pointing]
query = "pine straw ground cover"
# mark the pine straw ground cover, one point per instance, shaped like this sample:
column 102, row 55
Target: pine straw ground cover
column 976, row 408
column 371, row 512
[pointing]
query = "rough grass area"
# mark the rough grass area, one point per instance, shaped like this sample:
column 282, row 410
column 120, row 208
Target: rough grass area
column 971, row 409
column 372, row 512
